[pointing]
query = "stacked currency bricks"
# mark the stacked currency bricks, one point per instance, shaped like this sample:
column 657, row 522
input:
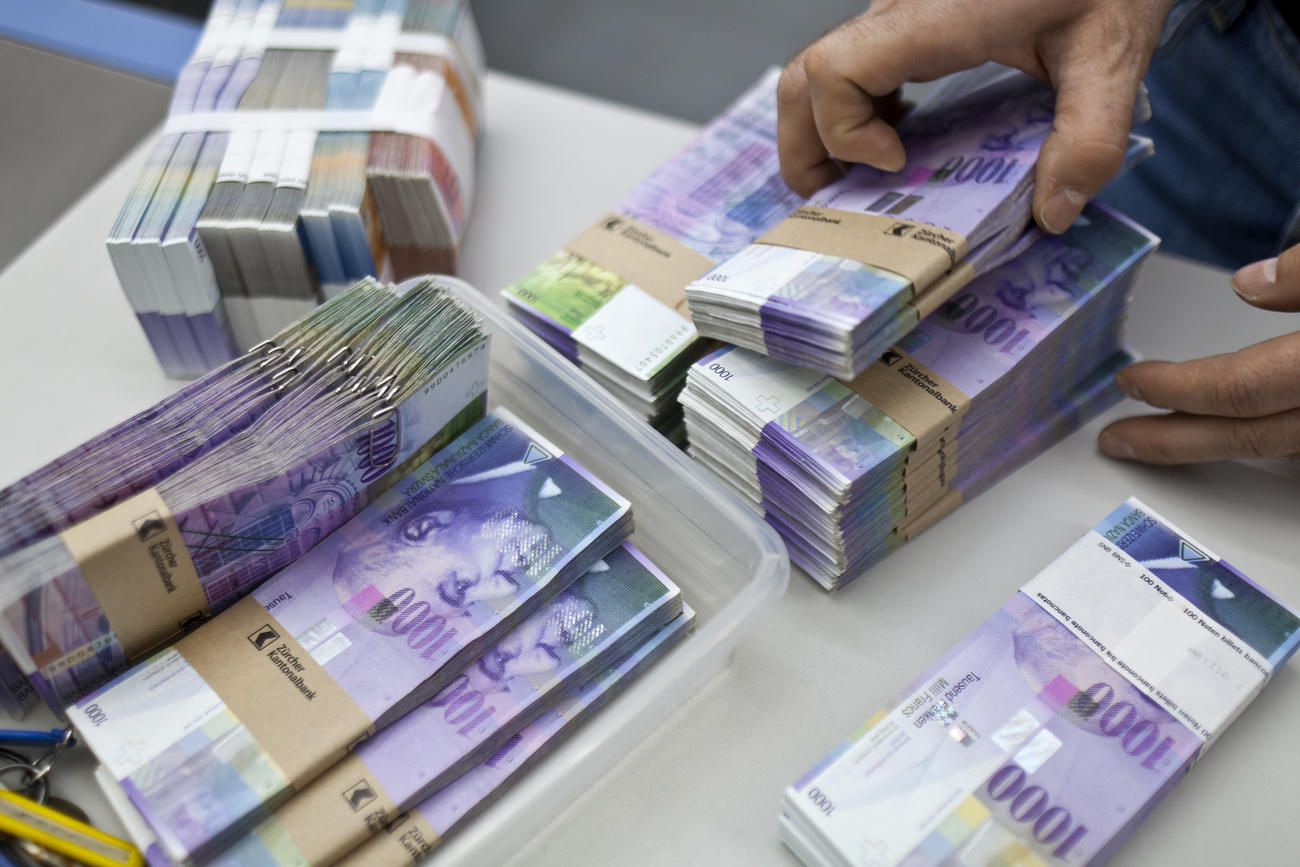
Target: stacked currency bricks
column 308, row 144
column 904, row 340
column 612, row 300
column 324, row 591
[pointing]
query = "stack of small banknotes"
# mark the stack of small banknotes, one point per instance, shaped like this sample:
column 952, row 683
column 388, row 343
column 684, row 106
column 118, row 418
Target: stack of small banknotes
column 308, row 144
column 848, row 471
column 1047, row 734
column 846, row 276
column 468, row 615
column 612, row 300
column 115, row 548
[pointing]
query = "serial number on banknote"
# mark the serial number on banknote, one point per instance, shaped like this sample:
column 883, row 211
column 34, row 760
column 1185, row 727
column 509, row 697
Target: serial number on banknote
column 656, row 352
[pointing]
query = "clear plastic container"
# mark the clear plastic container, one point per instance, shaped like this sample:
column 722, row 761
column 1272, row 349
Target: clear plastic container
column 726, row 559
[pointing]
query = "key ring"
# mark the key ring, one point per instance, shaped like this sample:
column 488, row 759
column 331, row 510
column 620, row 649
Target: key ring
column 37, row 787
column 37, row 772
column 42, row 766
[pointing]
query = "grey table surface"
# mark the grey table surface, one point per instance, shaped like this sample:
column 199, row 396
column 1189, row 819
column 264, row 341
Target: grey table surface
column 705, row 788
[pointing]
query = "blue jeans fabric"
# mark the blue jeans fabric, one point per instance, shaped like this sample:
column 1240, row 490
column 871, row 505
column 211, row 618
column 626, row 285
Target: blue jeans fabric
column 1224, row 185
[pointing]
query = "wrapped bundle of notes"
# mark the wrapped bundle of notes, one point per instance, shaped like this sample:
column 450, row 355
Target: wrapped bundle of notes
column 308, row 144
column 600, row 619
column 311, row 827
column 847, row 471
column 412, row 835
column 122, row 544
column 612, row 300
column 380, row 617
column 869, row 256
column 1047, row 734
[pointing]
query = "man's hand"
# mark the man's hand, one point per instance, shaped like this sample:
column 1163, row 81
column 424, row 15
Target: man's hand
column 1244, row 404
column 836, row 101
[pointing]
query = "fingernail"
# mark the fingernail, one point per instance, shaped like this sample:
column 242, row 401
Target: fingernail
column 1061, row 209
column 1129, row 387
column 1257, row 280
column 1115, row 447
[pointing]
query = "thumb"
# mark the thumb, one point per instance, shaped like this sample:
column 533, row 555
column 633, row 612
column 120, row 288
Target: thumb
column 1094, row 111
column 1273, row 284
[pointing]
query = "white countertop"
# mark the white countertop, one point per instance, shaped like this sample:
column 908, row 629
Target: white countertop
column 706, row 787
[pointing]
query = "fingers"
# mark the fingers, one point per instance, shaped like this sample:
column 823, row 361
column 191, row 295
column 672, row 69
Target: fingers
column 1273, row 284
column 1256, row 381
column 845, row 114
column 1244, row 404
column 806, row 167
column 837, row 100
column 1178, row 438
column 1094, row 111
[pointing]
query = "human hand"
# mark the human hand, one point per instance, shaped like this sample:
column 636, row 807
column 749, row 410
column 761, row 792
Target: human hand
column 1243, row 404
column 837, row 99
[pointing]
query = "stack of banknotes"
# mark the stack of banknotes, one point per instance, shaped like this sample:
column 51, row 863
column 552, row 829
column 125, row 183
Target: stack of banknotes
column 308, row 144
column 1047, row 734
column 412, row 835
column 870, row 255
column 118, row 546
column 482, row 589
column 612, row 300
column 848, row 471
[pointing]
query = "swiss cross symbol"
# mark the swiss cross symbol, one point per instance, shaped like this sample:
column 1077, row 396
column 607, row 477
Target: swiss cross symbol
column 767, row 403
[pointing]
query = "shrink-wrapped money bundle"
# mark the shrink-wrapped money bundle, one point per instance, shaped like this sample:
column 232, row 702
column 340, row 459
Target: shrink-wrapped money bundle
column 308, row 144
column 1047, row 734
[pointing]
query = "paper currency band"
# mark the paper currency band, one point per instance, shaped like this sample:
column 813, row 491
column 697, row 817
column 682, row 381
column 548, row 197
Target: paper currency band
column 1159, row 651
column 299, row 715
column 407, row 840
column 926, row 476
column 642, row 256
column 317, row 39
column 945, row 506
column 339, row 811
column 373, row 42
column 136, row 562
column 930, row 408
column 417, row 123
column 926, row 255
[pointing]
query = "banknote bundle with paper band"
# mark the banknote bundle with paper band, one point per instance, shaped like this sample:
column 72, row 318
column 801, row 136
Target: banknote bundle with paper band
column 846, row 276
column 413, row 835
column 199, row 499
column 848, row 471
column 308, row 144
column 408, row 837
column 376, row 619
column 612, row 300
column 1047, row 734
column 580, row 632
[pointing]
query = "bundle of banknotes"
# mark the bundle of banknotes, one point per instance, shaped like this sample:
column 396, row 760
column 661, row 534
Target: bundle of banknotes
column 120, row 545
column 869, row 256
column 848, row 471
column 612, row 300
column 1047, row 734
column 481, row 590
column 308, row 144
